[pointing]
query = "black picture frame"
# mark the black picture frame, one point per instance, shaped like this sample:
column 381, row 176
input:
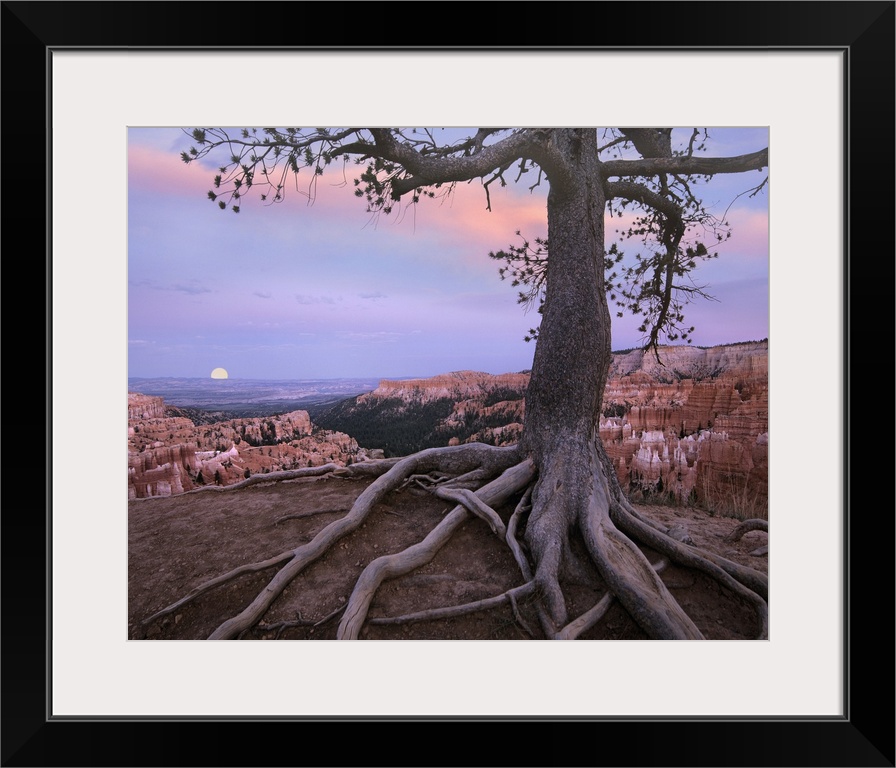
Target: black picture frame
column 864, row 736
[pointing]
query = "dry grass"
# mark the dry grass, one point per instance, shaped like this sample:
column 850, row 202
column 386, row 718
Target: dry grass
column 729, row 498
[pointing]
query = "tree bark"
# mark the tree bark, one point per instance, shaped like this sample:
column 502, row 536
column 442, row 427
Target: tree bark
column 575, row 490
column 572, row 354
column 570, row 364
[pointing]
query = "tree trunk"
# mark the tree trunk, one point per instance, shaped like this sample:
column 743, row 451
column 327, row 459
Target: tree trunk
column 577, row 488
column 572, row 355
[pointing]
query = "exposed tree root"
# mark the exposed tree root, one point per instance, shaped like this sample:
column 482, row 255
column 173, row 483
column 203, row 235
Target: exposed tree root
column 448, row 612
column 587, row 620
column 270, row 477
column 578, row 487
column 513, row 480
column 472, row 479
column 521, row 622
column 746, row 526
column 279, row 627
column 573, row 490
column 688, row 555
column 455, row 459
column 754, row 524
column 475, row 505
column 311, row 513
column 372, row 468
column 546, row 534
column 219, row 580
column 593, row 615
column 633, row 580
column 426, row 481
column 572, row 493
column 747, row 584
column 522, row 508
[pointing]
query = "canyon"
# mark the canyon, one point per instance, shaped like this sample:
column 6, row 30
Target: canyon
column 169, row 454
column 689, row 426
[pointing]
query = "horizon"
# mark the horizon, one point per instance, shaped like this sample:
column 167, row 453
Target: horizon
column 280, row 292
column 393, row 377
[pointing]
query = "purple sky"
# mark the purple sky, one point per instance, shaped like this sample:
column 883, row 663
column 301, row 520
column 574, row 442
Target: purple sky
column 298, row 290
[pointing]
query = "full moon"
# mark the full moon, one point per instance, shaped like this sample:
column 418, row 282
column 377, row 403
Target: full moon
column 219, row 373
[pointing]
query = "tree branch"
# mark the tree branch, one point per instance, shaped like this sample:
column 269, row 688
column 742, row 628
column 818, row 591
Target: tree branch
column 630, row 190
column 425, row 170
column 704, row 166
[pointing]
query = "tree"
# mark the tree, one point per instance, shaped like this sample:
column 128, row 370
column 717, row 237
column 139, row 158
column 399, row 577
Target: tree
column 569, row 497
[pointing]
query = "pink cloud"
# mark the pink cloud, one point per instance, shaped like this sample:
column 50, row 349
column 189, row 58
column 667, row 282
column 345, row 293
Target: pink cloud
column 157, row 171
column 749, row 233
column 460, row 221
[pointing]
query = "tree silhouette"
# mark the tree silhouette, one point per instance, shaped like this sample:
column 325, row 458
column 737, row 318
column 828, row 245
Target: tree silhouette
column 569, row 497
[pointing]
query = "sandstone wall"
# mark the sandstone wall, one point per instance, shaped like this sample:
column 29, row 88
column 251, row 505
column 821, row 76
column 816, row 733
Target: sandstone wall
column 171, row 455
column 693, row 424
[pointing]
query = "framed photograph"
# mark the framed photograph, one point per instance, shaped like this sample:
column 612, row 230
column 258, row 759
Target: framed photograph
column 817, row 76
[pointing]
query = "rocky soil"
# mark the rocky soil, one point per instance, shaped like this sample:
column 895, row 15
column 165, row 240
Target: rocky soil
column 177, row 542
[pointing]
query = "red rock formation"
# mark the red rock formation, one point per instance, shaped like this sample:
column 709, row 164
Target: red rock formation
column 701, row 419
column 141, row 407
column 458, row 386
column 162, row 470
column 171, row 455
column 693, row 425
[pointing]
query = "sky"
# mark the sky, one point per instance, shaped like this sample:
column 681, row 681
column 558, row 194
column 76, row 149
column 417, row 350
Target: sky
column 313, row 287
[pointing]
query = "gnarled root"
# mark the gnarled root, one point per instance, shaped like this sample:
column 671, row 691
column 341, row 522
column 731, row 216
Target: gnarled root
column 746, row 526
column 573, row 493
column 219, row 580
column 279, row 626
column 689, row 556
column 572, row 534
column 594, row 614
column 387, row 567
column 747, row 584
column 456, row 460
column 577, row 487
column 372, row 468
column 448, row 612
column 303, row 515
column 627, row 571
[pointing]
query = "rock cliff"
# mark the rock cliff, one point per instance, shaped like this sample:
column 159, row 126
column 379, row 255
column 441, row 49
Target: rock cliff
column 692, row 425
column 458, row 386
column 168, row 454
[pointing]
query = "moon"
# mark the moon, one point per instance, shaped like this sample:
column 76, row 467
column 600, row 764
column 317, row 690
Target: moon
column 219, row 373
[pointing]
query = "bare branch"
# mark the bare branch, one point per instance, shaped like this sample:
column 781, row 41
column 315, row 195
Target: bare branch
column 631, row 190
column 703, row 166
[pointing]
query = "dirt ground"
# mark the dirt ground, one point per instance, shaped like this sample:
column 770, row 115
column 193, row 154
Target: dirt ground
column 176, row 543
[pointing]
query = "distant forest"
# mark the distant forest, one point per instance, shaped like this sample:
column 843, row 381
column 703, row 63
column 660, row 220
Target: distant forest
column 400, row 428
